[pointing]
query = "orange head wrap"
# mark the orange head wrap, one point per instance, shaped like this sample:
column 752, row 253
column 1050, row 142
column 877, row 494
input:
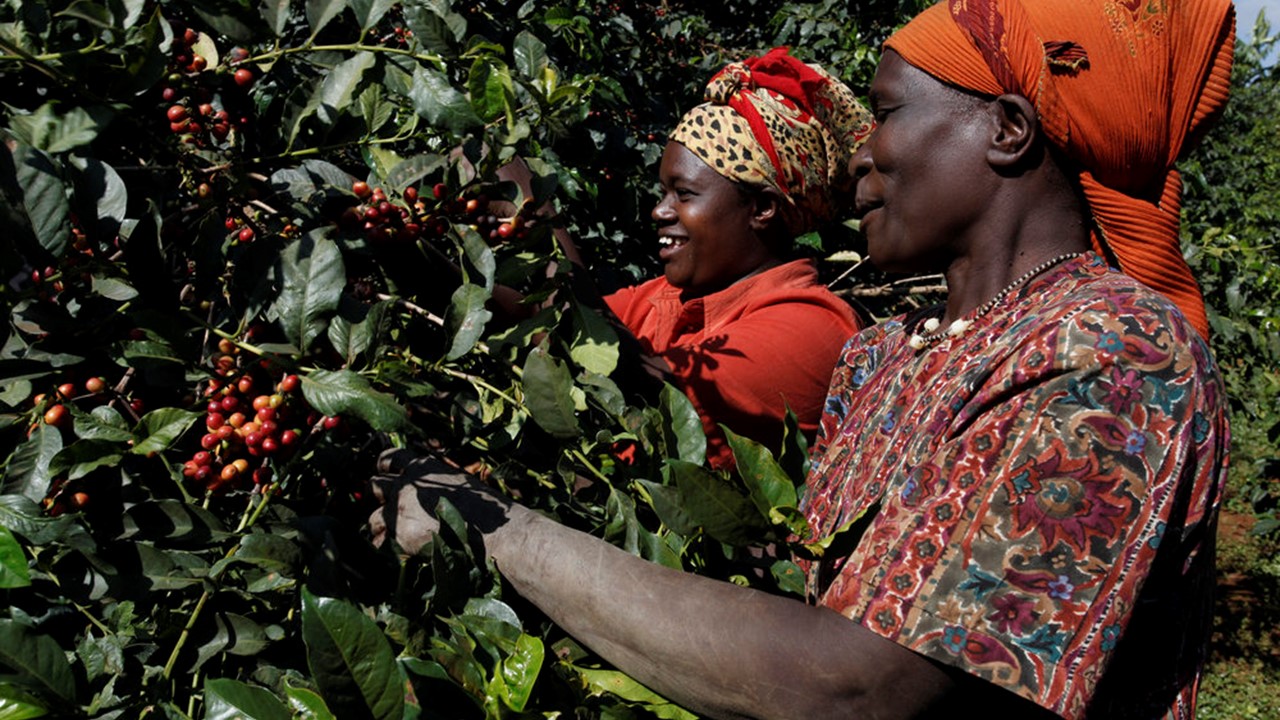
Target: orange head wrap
column 774, row 120
column 1123, row 87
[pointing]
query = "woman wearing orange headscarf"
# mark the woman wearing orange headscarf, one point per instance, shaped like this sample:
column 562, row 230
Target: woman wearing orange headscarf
column 1018, row 490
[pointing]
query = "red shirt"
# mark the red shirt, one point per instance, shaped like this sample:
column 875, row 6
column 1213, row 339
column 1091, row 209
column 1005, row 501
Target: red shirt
column 746, row 354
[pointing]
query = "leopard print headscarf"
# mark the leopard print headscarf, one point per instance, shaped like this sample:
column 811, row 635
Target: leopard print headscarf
column 774, row 120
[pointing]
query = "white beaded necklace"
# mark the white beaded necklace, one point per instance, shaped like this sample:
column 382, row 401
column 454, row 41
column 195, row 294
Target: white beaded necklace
column 931, row 334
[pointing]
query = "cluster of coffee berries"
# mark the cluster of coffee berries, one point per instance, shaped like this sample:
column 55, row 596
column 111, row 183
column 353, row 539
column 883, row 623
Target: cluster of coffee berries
column 383, row 220
column 250, row 424
column 192, row 105
column 53, row 409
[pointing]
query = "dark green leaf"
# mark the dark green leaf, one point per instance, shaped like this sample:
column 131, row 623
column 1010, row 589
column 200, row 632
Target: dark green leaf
column 770, row 488
column 320, row 12
column 28, row 469
column 480, row 258
column 466, row 319
column 38, row 662
column 530, row 55
column 159, row 429
column 669, row 506
column 51, row 133
column 350, row 660
column 441, row 104
column 276, row 13
column 369, row 12
column 683, row 430
column 44, row 197
column 343, row 392
column 715, row 504
column 83, row 457
column 490, row 87
column 14, row 572
column 103, row 423
column 227, row 699
column 312, row 277
column 412, row 170
column 547, row 394
column 355, row 328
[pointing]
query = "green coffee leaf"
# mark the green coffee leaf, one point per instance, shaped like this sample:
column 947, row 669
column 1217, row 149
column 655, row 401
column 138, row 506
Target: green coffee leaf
column 716, row 505
column 38, row 662
column 44, row 198
column 312, row 277
column 683, row 426
column 466, row 319
column 441, row 104
column 160, row 428
column 350, row 659
column 342, row 392
column 547, row 394
column 227, row 699
column 320, row 12
column 14, row 572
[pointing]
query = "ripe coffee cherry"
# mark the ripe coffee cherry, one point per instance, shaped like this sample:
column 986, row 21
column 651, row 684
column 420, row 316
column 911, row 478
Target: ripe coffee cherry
column 244, row 77
column 230, row 403
column 66, row 390
column 202, row 458
column 177, row 113
column 438, row 190
column 210, row 441
column 95, row 385
column 289, row 383
column 189, row 37
column 361, row 189
column 246, row 234
column 332, row 422
column 56, row 416
column 214, row 420
column 288, row 438
column 410, row 194
column 270, row 445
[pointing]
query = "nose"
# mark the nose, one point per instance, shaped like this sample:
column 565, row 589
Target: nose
column 664, row 211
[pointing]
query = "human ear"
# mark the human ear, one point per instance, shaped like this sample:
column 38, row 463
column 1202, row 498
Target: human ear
column 1016, row 129
column 767, row 207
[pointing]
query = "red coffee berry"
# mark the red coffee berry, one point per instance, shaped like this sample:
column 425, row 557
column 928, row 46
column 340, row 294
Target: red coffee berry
column 214, row 420
column 230, row 403
column 246, row 234
column 243, row 77
column 177, row 113
column 56, row 416
column 438, row 190
column 95, row 385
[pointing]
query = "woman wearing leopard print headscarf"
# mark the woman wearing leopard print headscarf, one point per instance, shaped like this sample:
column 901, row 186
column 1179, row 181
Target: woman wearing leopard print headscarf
column 743, row 330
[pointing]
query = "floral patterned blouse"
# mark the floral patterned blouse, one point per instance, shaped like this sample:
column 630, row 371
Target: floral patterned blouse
column 1035, row 500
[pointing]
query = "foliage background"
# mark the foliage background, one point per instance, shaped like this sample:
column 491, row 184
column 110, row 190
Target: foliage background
column 138, row 587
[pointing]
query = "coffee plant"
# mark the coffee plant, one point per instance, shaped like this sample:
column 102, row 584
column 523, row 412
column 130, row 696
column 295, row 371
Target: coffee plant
column 250, row 245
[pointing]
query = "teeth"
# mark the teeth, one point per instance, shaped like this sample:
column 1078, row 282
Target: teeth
column 666, row 241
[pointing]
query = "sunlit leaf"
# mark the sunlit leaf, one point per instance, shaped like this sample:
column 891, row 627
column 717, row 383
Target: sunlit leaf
column 466, row 319
column 683, row 430
column 159, row 429
column 440, row 103
column 227, row 699
column 28, row 469
column 595, row 343
column 341, row 392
